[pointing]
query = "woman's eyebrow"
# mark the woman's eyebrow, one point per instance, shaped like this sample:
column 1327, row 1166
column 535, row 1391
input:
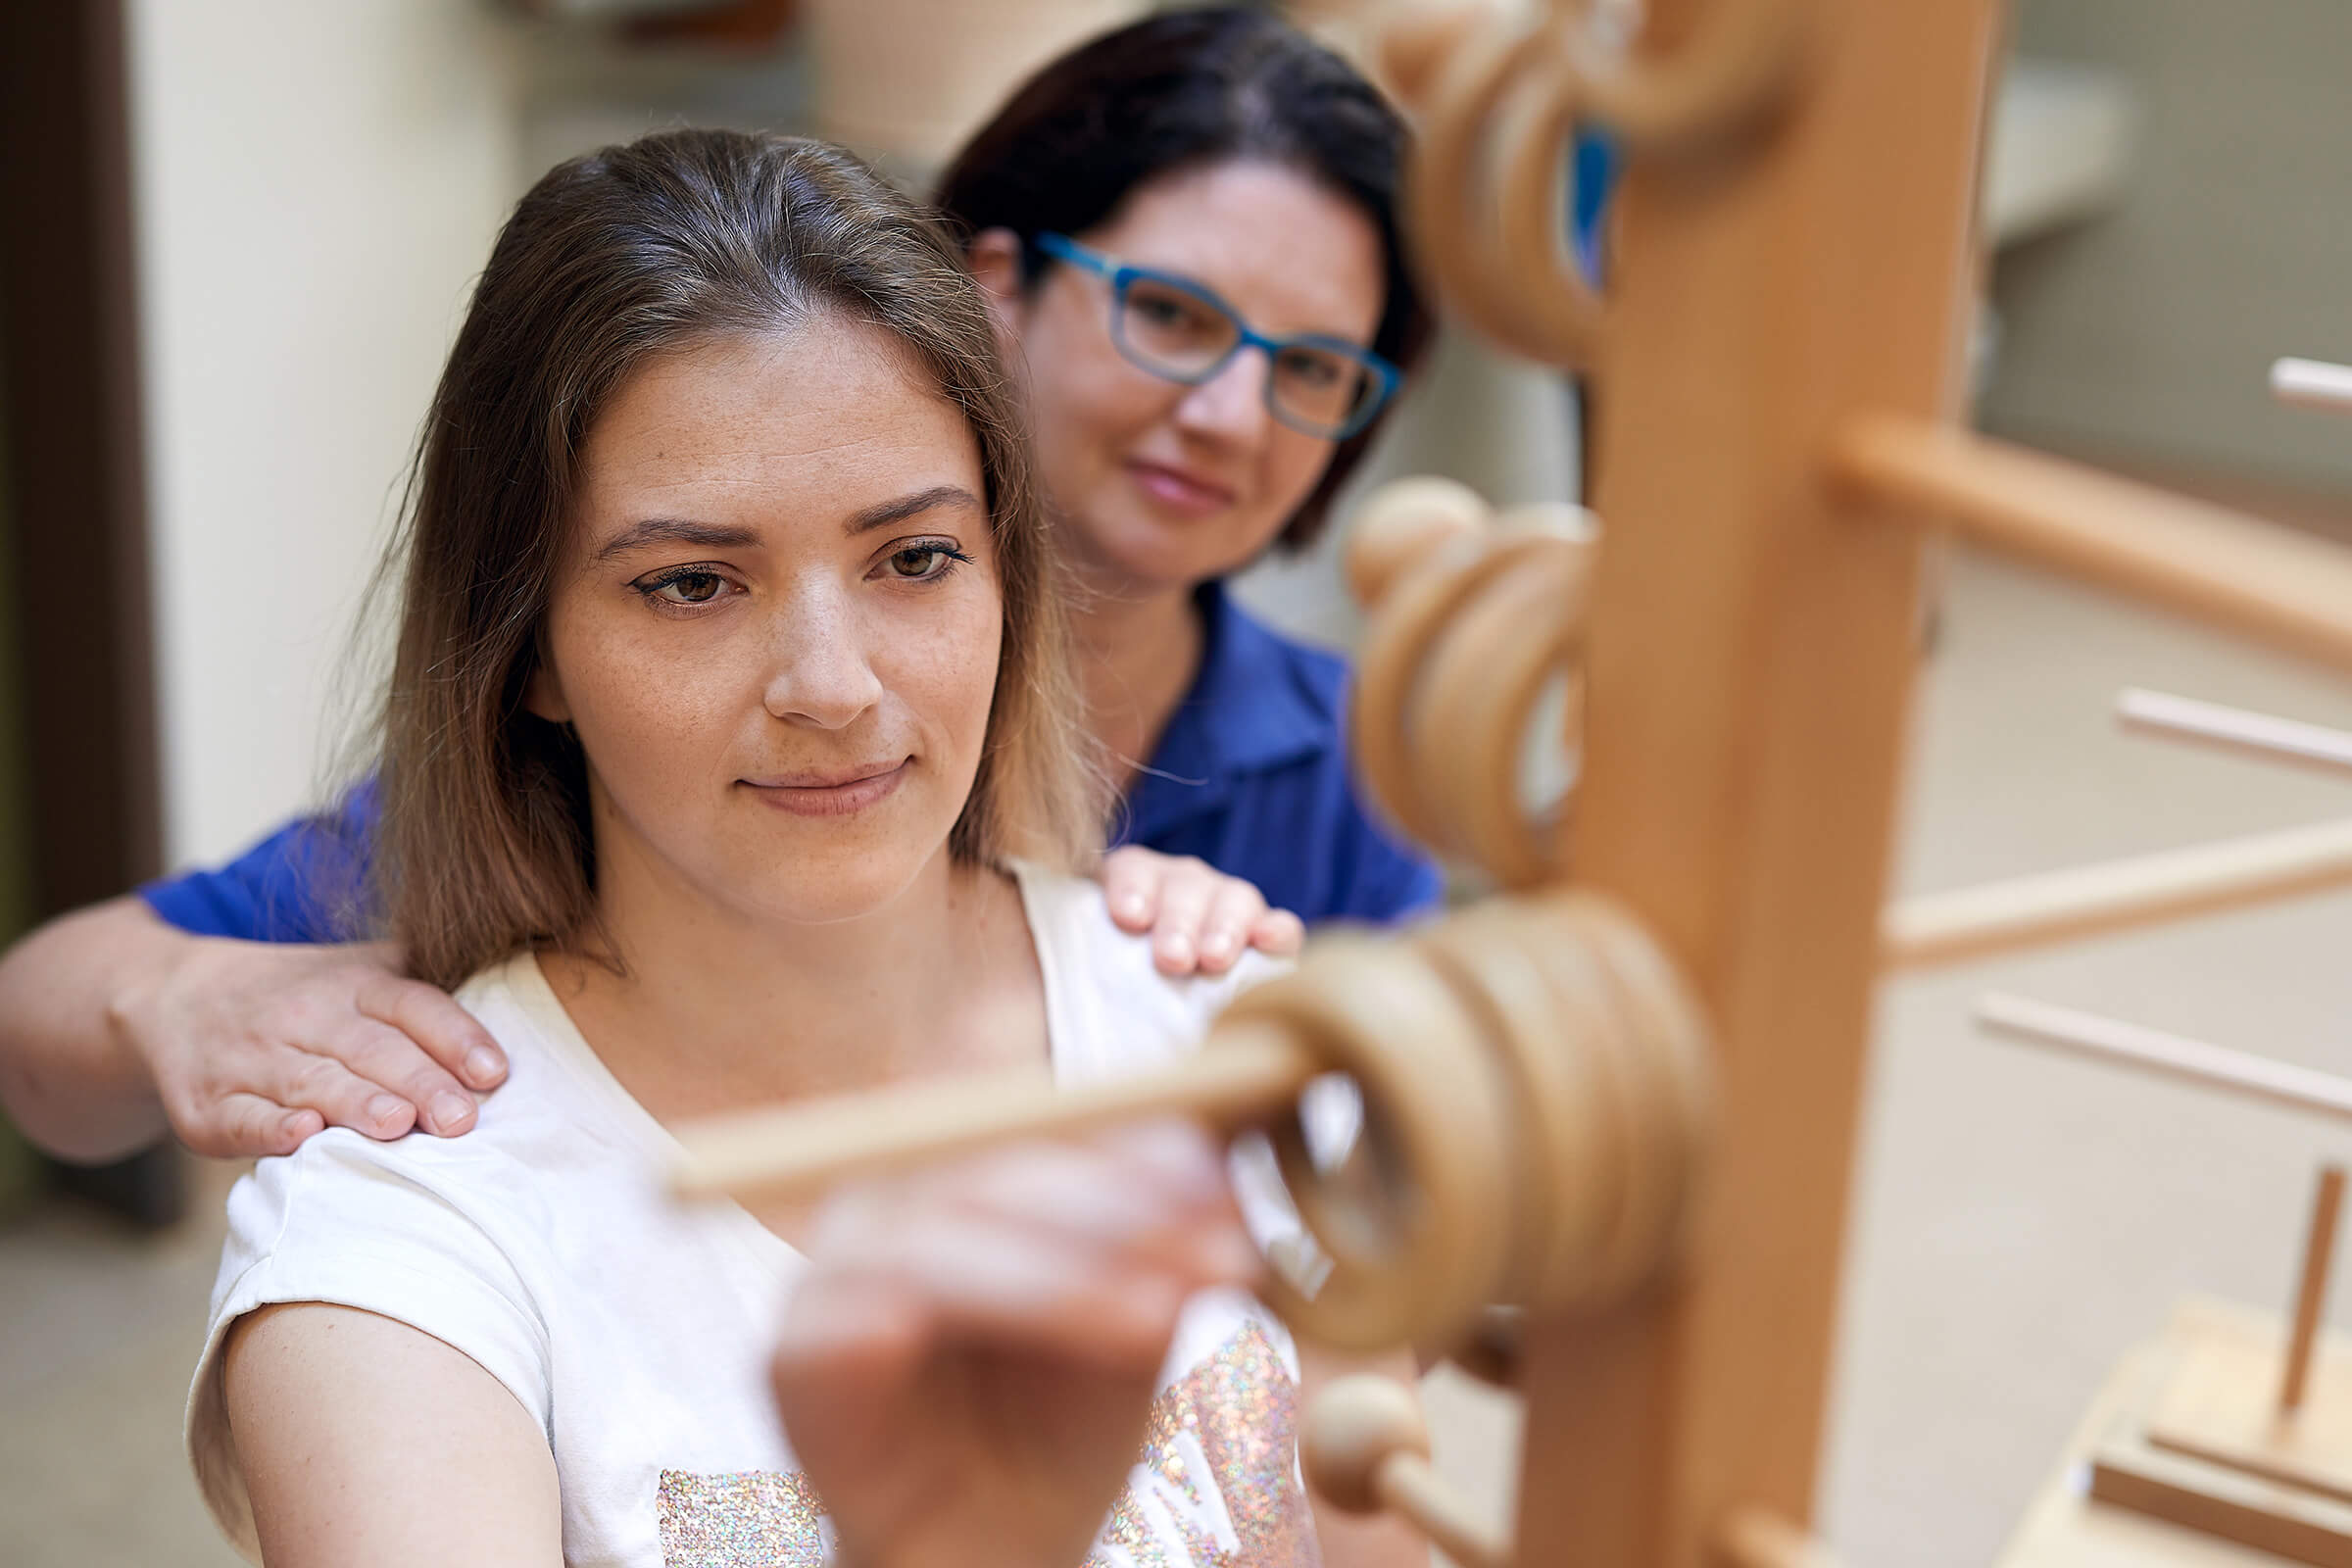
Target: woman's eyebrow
column 677, row 531
column 883, row 515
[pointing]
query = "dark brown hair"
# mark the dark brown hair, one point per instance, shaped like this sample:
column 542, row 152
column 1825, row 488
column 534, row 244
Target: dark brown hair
column 1183, row 90
column 671, row 241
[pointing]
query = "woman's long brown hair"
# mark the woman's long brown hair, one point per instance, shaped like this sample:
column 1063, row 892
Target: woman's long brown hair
column 680, row 238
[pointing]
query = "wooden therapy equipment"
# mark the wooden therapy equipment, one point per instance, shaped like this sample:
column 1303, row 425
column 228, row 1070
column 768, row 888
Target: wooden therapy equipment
column 1621, row 1094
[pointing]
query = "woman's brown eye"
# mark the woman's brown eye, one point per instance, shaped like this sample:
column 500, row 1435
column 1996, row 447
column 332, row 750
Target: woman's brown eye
column 923, row 562
column 694, row 588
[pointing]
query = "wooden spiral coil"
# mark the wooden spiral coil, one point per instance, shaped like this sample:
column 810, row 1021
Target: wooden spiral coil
column 1475, row 618
column 1498, row 99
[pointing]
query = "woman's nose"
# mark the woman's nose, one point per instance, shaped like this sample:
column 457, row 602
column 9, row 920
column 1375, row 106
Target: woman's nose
column 1231, row 405
column 819, row 674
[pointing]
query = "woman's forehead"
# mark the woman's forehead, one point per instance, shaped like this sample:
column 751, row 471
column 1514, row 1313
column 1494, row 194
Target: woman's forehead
column 827, row 415
column 1271, row 239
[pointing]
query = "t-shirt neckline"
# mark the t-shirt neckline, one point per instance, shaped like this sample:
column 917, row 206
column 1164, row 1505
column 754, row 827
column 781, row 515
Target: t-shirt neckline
column 527, row 981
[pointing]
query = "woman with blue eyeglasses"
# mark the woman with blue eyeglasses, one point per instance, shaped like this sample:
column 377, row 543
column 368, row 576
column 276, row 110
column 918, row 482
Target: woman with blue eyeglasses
column 1189, row 229
column 1188, row 226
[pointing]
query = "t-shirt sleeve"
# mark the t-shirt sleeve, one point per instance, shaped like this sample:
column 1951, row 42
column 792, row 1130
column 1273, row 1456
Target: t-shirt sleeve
column 347, row 1221
column 297, row 885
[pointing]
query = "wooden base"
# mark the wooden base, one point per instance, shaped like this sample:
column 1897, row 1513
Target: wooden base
column 2206, row 1447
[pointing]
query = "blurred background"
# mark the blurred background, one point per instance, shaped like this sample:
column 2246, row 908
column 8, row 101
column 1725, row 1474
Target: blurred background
column 238, row 237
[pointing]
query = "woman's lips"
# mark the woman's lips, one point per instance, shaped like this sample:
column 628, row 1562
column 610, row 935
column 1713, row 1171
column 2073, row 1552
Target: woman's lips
column 1179, row 491
column 808, row 795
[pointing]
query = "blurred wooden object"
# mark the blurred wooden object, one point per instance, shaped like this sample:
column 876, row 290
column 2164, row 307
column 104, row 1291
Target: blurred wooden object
column 1365, row 1446
column 2128, row 1045
column 2027, row 911
column 2234, row 729
column 909, row 79
column 2206, row 1446
column 2313, row 384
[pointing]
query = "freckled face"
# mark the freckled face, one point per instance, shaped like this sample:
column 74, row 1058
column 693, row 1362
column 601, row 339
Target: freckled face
column 1159, row 485
column 777, row 626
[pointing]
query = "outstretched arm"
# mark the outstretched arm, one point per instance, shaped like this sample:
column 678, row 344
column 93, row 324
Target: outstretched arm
column 368, row 1443
column 114, row 1026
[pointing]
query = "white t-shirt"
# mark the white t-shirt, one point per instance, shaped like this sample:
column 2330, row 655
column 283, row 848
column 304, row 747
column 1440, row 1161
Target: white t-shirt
column 637, row 1331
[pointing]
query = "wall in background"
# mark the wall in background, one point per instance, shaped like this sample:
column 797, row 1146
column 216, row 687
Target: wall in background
column 2149, row 333
column 316, row 185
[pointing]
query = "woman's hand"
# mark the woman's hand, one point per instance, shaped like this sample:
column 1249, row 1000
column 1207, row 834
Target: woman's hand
column 966, row 1370
column 1198, row 918
column 254, row 1046
column 114, row 1026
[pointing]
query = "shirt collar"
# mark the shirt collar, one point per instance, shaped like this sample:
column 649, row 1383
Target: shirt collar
column 1246, row 711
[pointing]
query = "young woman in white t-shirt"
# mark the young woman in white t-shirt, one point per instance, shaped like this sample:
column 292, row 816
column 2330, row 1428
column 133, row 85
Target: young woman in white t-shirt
column 729, row 756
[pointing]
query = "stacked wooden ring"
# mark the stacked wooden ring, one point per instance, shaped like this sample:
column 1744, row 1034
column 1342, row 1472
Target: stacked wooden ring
column 1475, row 618
column 1497, row 100
column 1535, row 1088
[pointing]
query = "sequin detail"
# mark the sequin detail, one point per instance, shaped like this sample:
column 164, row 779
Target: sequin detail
column 1219, row 1479
column 748, row 1519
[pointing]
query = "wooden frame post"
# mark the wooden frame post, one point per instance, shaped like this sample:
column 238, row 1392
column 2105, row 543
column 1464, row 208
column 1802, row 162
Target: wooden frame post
column 1750, row 657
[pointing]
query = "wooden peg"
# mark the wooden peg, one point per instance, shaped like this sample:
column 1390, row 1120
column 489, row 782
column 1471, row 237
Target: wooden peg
column 2115, row 894
column 2128, row 1045
column 2228, row 571
column 2310, row 1287
column 2313, row 384
column 1753, row 1537
column 2234, row 729
column 1365, row 1448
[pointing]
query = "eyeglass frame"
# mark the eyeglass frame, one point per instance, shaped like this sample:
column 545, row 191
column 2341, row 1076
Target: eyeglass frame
column 1120, row 274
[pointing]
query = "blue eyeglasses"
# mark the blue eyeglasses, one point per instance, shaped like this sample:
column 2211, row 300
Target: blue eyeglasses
column 1174, row 327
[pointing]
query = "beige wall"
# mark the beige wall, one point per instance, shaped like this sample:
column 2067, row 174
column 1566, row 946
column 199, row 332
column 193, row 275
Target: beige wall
column 314, row 187
column 2149, row 332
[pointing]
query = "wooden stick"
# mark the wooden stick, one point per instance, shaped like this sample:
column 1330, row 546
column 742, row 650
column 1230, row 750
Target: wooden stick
column 2115, row 894
column 2234, row 729
column 2128, row 1045
column 1406, row 1486
column 2310, row 1287
column 2219, row 566
column 2312, row 384
column 1751, row 1538
column 793, row 1149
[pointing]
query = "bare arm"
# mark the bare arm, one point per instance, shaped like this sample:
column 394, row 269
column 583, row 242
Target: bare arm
column 114, row 1026
column 366, row 1442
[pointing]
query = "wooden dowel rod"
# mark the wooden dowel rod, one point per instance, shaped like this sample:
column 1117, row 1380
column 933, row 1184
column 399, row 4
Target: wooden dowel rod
column 799, row 1149
column 2311, row 1285
column 1751, row 1538
column 2128, row 1045
column 2234, row 729
column 1406, row 1486
column 2115, row 894
column 2230, row 570
column 2313, row 384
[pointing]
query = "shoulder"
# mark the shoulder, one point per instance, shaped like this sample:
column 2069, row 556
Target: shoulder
column 1110, row 1008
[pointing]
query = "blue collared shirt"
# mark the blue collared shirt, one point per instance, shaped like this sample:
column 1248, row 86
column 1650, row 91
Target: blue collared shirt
column 1250, row 775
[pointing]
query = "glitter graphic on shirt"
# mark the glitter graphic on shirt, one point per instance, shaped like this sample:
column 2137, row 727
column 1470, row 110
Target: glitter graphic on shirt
column 1217, row 1486
column 1219, row 1480
column 748, row 1519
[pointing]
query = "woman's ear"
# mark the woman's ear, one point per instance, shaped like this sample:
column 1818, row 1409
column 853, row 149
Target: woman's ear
column 543, row 695
column 995, row 258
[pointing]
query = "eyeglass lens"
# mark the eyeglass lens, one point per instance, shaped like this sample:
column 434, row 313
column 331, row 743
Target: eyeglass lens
column 1177, row 334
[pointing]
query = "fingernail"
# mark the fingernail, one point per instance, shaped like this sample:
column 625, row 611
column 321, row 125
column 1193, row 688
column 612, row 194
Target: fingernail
column 384, row 1110
column 451, row 1111
column 484, row 1065
column 1131, row 907
column 1177, row 950
column 1217, row 944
